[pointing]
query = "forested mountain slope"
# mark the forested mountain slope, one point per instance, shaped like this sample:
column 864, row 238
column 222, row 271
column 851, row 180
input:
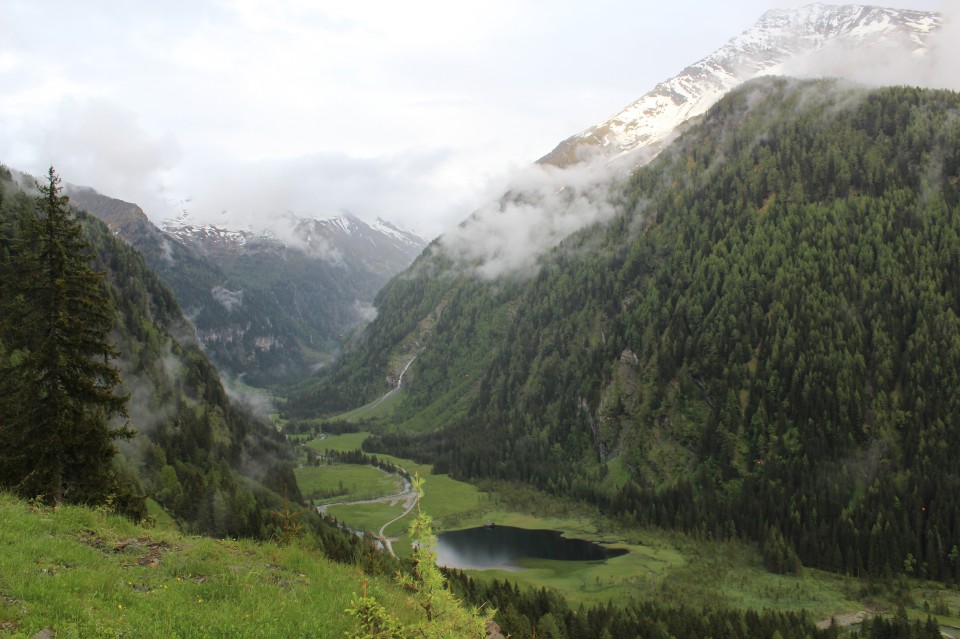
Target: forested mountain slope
column 762, row 343
column 215, row 468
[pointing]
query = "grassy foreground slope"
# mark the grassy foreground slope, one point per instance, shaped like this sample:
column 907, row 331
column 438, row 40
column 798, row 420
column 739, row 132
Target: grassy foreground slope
column 83, row 573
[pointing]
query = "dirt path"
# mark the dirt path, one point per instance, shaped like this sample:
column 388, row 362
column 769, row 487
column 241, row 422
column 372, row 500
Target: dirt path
column 411, row 501
column 407, row 496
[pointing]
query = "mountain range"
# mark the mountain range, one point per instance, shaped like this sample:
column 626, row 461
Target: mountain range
column 266, row 308
column 577, row 194
column 211, row 464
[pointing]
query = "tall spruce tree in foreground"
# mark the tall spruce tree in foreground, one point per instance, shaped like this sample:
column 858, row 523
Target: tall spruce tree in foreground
column 57, row 384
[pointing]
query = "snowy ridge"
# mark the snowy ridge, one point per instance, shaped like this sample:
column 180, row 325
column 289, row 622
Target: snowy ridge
column 298, row 231
column 778, row 38
column 208, row 233
column 343, row 240
column 401, row 235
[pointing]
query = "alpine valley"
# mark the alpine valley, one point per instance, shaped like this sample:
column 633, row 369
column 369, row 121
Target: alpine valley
column 719, row 330
column 756, row 339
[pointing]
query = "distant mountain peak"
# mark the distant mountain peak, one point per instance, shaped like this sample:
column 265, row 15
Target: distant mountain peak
column 779, row 43
column 381, row 247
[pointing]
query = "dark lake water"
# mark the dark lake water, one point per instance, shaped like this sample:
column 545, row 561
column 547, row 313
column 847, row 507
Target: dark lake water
column 502, row 546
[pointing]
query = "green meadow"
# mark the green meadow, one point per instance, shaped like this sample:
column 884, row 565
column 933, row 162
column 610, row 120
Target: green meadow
column 344, row 482
column 82, row 573
column 660, row 565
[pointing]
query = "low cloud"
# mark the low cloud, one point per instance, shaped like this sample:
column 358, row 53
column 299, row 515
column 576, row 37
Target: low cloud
column 97, row 142
column 230, row 300
column 256, row 195
column 543, row 205
column 166, row 252
column 944, row 72
column 888, row 61
column 365, row 311
column 255, row 401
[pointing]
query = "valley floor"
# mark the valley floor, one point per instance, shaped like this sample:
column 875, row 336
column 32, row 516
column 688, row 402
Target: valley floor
column 660, row 565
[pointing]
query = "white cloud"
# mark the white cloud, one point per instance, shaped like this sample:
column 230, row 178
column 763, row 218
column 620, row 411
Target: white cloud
column 884, row 64
column 94, row 142
column 543, row 205
column 230, row 300
column 252, row 194
column 944, row 72
column 401, row 110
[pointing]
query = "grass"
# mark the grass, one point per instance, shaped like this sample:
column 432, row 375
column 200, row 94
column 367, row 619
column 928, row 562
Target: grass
column 375, row 410
column 342, row 443
column 348, row 482
column 449, row 502
column 368, row 517
column 82, row 573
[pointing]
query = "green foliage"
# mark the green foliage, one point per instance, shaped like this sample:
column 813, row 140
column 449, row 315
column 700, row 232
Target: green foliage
column 58, row 391
column 764, row 337
column 778, row 556
column 83, row 573
column 440, row 614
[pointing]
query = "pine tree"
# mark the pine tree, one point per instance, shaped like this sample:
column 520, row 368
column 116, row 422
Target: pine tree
column 57, row 383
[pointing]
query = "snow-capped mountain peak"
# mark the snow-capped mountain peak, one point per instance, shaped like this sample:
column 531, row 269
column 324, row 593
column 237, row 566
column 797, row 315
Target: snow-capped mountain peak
column 781, row 42
column 340, row 239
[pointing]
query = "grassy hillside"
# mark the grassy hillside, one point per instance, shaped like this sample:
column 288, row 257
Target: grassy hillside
column 83, row 573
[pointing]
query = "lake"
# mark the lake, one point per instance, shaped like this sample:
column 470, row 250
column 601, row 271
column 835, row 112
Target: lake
column 502, row 546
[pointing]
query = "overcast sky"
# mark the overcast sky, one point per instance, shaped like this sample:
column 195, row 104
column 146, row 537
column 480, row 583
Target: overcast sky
column 411, row 110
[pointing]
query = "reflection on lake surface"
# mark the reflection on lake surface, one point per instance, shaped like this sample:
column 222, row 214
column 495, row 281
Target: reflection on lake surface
column 501, row 546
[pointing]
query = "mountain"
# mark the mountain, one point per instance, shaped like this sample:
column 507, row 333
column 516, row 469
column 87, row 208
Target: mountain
column 265, row 308
column 510, row 235
column 210, row 463
column 759, row 343
column 568, row 188
column 813, row 40
column 379, row 249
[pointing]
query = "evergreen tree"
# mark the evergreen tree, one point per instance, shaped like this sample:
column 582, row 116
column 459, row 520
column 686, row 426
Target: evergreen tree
column 57, row 383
